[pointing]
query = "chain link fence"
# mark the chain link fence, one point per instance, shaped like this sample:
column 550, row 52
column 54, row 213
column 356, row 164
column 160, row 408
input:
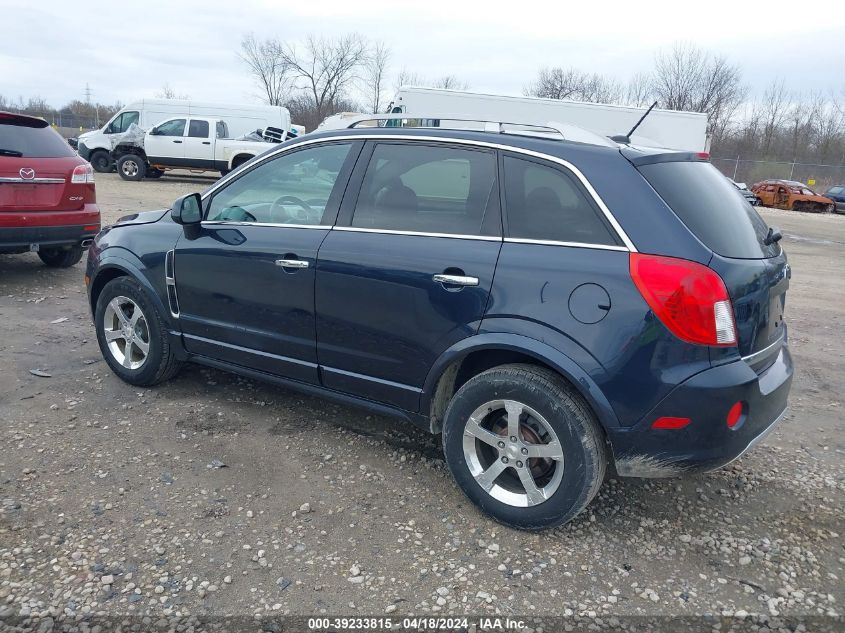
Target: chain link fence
column 751, row 171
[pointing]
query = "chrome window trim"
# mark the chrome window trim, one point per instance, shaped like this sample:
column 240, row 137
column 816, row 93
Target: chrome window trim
column 457, row 236
column 620, row 232
column 604, row 247
column 287, row 226
column 33, row 181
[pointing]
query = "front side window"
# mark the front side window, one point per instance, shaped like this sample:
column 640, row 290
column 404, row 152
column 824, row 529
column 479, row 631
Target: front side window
column 292, row 189
column 222, row 129
column 198, row 129
column 122, row 122
column 544, row 203
column 428, row 189
column 174, row 127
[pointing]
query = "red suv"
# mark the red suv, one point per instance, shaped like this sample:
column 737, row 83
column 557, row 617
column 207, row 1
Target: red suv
column 47, row 200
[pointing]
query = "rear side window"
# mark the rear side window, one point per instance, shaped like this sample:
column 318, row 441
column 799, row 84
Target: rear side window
column 544, row 203
column 705, row 202
column 198, row 129
column 26, row 141
column 428, row 189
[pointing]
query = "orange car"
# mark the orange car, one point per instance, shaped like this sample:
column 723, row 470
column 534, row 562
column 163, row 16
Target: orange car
column 788, row 194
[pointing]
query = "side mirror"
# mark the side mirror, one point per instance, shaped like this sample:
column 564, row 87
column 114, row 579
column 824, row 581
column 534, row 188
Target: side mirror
column 187, row 210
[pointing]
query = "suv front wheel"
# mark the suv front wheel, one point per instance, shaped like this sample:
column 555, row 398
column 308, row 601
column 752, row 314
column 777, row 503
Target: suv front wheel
column 132, row 335
column 523, row 446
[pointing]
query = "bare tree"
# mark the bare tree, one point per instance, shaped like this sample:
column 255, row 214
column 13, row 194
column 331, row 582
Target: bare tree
column 267, row 66
column 574, row 84
column 688, row 78
column 167, row 92
column 450, row 82
column 772, row 112
column 375, row 69
column 639, row 91
column 406, row 77
column 325, row 68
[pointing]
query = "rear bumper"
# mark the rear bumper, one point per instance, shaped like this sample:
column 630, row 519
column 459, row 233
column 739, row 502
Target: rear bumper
column 21, row 239
column 707, row 442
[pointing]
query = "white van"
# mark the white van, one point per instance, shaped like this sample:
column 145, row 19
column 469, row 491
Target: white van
column 671, row 129
column 241, row 119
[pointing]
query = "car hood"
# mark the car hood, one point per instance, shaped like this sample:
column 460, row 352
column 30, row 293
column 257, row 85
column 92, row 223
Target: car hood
column 144, row 217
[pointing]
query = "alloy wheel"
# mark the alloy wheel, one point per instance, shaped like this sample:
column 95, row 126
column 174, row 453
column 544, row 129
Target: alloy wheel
column 513, row 453
column 127, row 332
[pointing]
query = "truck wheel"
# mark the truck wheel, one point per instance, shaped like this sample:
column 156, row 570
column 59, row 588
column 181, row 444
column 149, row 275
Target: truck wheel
column 131, row 167
column 101, row 162
column 59, row 257
column 523, row 446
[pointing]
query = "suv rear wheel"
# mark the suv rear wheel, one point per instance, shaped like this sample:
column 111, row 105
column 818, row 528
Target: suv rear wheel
column 523, row 446
column 132, row 336
column 61, row 258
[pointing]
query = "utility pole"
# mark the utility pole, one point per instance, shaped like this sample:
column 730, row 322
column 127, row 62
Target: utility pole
column 88, row 101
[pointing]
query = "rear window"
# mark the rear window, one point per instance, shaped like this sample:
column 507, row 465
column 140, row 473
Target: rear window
column 709, row 205
column 23, row 140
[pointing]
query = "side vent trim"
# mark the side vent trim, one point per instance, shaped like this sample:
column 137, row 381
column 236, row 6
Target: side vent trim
column 170, row 280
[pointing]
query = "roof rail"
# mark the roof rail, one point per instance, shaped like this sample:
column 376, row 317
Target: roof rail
column 565, row 131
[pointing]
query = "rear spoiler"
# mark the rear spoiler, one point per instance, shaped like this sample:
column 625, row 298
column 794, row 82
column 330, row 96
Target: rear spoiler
column 638, row 158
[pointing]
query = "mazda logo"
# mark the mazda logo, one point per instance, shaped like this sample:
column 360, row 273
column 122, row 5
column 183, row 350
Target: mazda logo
column 27, row 173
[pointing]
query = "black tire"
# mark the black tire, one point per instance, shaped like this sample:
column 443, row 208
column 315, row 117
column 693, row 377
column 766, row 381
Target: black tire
column 132, row 167
column 578, row 432
column 160, row 363
column 101, row 161
column 224, row 172
column 155, row 173
column 61, row 257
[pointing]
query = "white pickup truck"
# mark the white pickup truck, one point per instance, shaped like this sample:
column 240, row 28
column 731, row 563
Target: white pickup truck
column 193, row 143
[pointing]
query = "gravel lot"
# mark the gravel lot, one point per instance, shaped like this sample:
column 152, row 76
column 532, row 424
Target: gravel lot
column 111, row 504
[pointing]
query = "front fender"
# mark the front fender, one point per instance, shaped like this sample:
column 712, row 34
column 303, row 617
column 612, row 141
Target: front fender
column 538, row 350
column 129, row 264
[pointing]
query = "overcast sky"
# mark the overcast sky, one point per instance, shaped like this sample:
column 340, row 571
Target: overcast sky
column 128, row 50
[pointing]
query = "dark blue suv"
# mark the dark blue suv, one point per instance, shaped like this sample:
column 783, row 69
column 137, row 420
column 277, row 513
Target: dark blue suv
column 551, row 307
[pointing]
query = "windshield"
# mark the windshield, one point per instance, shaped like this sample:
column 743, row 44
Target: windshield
column 708, row 204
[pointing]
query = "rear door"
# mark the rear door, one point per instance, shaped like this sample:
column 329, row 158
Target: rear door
column 199, row 146
column 756, row 274
column 407, row 271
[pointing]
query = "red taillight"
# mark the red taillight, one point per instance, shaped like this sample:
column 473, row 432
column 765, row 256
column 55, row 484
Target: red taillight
column 734, row 415
column 82, row 174
column 670, row 423
column 703, row 155
column 688, row 298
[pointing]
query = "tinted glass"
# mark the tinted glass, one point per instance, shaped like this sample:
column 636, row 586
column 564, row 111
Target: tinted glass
column 198, row 129
column 291, row 189
column 704, row 201
column 32, row 142
column 544, row 203
column 427, row 189
column 176, row 127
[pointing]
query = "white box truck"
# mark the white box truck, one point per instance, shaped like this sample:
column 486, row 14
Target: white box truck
column 95, row 146
column 671, row 129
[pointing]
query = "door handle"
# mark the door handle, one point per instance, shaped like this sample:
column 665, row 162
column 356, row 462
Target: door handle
column 291, row 263
column 456, row 280
column 177, row 141
column 206, row 142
